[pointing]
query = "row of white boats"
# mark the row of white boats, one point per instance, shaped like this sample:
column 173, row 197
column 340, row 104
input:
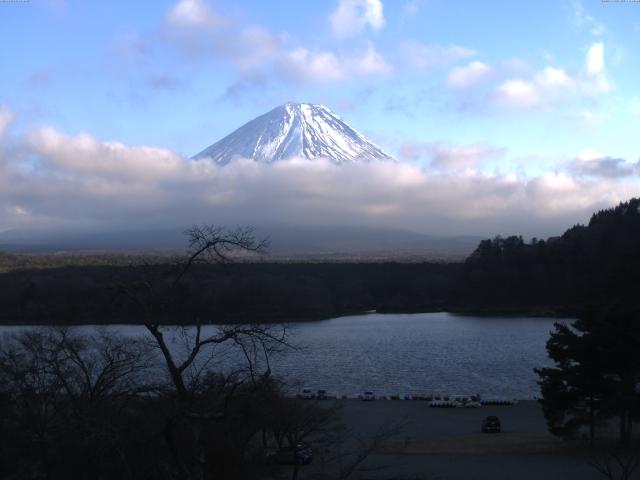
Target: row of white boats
column 436, row 401
column 468, row 401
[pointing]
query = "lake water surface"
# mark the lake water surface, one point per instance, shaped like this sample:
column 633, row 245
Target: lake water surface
column 421, row 353
column 430, row 353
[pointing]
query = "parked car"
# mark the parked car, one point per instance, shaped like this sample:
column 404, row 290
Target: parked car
column 491, row 424
column 367, row 396
column 321, row 395
column 288, row 455
column 307, row 393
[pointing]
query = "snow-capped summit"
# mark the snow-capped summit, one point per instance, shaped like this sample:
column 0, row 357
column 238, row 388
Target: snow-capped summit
column 295, row 130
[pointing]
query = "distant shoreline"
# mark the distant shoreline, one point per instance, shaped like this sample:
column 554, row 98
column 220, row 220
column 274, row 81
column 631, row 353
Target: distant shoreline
column 500, row 313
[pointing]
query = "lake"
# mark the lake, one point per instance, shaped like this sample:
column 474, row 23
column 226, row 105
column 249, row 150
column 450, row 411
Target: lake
column 430, row 353
column 420, row 353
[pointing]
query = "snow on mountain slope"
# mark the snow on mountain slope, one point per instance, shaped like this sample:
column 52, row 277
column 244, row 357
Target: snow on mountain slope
column 295, row 130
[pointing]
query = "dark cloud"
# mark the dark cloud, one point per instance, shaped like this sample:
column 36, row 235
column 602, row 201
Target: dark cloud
column 244, row 87
column 40, row 78
column 606, row 167
column 165, row 82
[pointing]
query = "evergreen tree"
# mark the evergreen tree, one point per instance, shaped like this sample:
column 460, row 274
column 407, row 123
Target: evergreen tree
column 596, row 373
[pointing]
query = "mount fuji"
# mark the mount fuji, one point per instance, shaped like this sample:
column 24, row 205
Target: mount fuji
column 295, row 130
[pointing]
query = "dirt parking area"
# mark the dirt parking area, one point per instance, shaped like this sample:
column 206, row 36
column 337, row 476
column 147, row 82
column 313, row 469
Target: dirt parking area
column 446, row 444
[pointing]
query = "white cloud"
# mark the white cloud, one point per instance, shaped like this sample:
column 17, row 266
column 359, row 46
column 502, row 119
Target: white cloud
column 301, row 65
column 251, row 47
column 446, row 156
column 371, row 62
column 547, row 87
column 552, row 85
column 199, row 34
column 595, row 59
column 471, row 74
column 583, row 19
column 6, row 117
column 587, row 154
column 596, row 81
column 516, row 66
column 85, row 155
column 193, row 14
column 517, row 93
column 551, row 78
column 258, row 53
column 56, row 179
column 592, row 117
column 411, row 8
column 422, row 58
column 350, row 17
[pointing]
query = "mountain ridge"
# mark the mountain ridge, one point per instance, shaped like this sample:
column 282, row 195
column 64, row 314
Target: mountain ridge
column 287, row 241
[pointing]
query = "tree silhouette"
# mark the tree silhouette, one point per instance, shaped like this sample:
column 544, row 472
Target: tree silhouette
column 596, row 374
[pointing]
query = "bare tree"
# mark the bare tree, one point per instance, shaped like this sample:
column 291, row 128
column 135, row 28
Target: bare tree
column 97, row 368
column 615, row 463
column 67, row 392
column 32, row 390
column 157, row 292
column 292, row 422
column 188, row 367
column 347, row 453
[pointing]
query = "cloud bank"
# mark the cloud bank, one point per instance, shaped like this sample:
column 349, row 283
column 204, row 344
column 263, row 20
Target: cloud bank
column 48, row 178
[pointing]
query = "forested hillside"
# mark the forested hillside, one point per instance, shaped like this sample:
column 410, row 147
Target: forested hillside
column 594, row 264
column 243, row 292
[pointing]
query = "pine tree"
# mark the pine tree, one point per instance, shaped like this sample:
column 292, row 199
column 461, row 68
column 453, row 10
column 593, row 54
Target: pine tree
column 596, row 373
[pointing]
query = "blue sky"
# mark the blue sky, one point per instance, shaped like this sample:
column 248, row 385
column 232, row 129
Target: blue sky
column 541, row 91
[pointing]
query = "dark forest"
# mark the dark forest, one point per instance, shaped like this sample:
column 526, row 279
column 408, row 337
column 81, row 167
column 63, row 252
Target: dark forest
column 588, row 266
